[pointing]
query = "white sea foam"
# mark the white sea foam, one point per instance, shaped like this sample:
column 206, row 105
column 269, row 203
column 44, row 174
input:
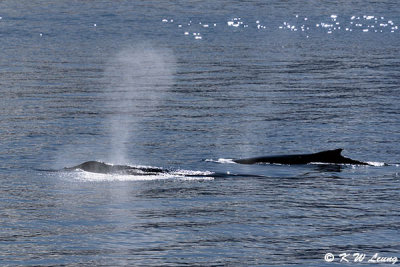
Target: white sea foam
column 191, row 173
column 99, row 177
column 377, row 164
column 221, row 160
column 185, row 175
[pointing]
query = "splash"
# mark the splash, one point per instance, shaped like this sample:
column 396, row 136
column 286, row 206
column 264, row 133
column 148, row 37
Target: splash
column 179, row 175
column 137, row 79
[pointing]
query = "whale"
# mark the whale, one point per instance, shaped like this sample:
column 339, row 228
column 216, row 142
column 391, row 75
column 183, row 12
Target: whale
column 104, row 168
column 328, row 157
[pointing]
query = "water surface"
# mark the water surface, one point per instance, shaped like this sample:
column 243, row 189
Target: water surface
column 148, row 83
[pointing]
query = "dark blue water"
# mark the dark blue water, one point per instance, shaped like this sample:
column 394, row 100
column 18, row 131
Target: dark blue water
column 187, row 86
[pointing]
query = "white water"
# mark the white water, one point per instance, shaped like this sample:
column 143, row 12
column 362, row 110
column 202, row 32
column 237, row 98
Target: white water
column 186, row 175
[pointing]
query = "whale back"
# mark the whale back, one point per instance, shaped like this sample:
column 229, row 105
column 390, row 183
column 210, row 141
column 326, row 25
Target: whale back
column 328, row 156
column 331, row 156
column 101, row 167
column 94, row 166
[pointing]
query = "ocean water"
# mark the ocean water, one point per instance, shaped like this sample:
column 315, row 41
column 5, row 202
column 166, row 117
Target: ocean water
column 187, row 86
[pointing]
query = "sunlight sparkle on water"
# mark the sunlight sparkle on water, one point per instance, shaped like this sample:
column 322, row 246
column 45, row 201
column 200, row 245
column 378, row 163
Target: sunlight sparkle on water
column 303, row 25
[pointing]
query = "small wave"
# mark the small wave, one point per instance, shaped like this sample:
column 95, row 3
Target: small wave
column 194, row 178
column 192, row 173
column 221, row 160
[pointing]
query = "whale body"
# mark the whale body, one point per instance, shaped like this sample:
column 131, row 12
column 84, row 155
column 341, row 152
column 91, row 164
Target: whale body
column 329, row 156
column 101, row 167
column 104, row 168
